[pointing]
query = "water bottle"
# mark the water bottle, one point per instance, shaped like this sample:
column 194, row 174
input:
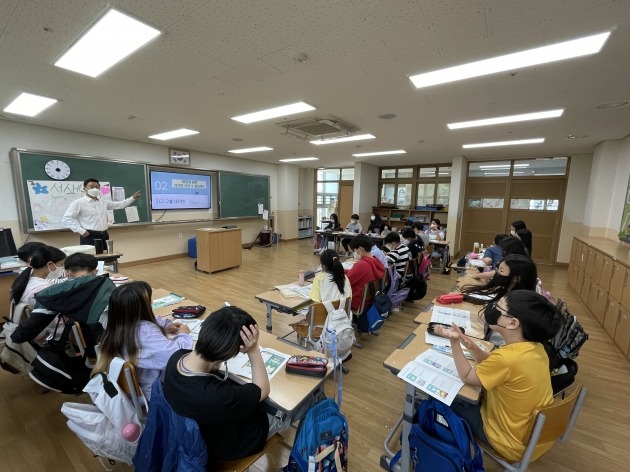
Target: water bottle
column 476, row 248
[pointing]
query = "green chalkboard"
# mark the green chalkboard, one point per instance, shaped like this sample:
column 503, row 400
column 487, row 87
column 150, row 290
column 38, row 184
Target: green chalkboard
column 240, row 194
column 42, row 199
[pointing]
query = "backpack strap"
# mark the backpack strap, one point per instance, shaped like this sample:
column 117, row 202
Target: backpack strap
column 330, row 307
column 115, row 368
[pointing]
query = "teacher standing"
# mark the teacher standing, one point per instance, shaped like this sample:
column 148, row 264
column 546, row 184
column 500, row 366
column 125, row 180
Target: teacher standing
column 87, row 215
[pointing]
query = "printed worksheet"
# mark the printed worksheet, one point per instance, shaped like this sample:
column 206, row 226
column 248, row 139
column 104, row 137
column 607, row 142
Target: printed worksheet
column 446, row 315
column 132, row 214
column 170, row 299
column 274, row 361
column 435, row 374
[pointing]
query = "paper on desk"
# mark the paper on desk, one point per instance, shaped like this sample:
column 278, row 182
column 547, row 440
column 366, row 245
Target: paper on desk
column 100, row 267
column 294, row 290
column 274, row 361
column 435, row 374
column 170, row 299
column 132, row 214
column 194, row 325
column 446, row 315
column 477, row 263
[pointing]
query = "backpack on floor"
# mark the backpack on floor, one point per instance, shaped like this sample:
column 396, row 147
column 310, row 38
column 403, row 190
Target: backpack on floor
column 441, row 441
column 417, row 288
column 339, row 323
column 16, row 357
column 321, row 441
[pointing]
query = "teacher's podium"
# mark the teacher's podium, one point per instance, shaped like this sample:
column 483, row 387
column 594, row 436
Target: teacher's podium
column 218, row 249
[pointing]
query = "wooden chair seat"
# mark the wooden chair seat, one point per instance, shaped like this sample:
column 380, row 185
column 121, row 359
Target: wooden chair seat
column 241, row 465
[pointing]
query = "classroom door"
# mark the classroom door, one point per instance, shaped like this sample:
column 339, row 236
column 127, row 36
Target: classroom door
column 345, row 204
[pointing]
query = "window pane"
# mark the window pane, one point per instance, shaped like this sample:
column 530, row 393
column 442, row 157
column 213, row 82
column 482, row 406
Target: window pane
column 425, row 194
column 404, row 195
column 443, row 192
column 387, row 193
column 489, row 169
column 552, row 205
column 542, row 166
column 426, row 172
column 474, row 202
column 405, row 173
column 492, row 203
column 519, row 204
column 328, row 174
column 388, row 173
column 347, row 174
column 537, row 204
column 444, row 172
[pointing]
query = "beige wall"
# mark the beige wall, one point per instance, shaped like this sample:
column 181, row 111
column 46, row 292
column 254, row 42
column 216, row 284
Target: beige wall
column 137, row 243
column 287, row 205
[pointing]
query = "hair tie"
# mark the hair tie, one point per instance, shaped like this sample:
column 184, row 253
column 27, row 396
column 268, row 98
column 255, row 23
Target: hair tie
column 334, row 258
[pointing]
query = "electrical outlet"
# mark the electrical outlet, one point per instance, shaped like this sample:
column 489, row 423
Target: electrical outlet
column 180, row 235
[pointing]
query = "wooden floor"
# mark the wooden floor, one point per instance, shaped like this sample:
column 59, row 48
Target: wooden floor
column 34, row 437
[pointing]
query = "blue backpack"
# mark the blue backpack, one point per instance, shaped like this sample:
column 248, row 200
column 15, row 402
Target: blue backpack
column 321, row 441
column 441, row 440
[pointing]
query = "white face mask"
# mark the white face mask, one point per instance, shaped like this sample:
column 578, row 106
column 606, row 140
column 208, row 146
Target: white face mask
column 372, row 218
column 354, row 222
column 513, row 233
column 94, row 193
column 56, row 274
column 356, row 256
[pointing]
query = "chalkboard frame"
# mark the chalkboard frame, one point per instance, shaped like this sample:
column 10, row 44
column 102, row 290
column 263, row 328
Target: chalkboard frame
column 255, row 213
column 27, row 223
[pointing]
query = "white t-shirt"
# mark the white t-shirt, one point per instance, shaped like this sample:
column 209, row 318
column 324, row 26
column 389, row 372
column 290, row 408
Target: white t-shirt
column 34, row 285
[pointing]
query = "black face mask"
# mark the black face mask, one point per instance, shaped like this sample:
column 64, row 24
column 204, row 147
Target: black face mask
column 501, row 280
column 492, row 314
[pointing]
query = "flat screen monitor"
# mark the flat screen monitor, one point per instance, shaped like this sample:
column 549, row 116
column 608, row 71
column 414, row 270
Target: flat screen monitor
column 179, row 190
column 7, row 244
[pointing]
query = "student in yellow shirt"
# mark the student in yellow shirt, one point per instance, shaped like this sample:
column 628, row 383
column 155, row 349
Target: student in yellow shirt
column 515, row 376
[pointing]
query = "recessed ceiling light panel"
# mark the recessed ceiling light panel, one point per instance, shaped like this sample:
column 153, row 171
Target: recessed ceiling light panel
column 380, row 153
column 284, row 110
column 28, row 104
column 518, row 60
column 111, row 39
column 178, row 133
column 299, row 159
column 505, row 143
column 539, row 115
column 254, row 149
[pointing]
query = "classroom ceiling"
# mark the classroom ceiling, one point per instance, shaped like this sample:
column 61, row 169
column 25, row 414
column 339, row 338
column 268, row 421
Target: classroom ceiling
column 218, row 59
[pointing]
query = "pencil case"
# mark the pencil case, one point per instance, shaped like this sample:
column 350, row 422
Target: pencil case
column 450, row 298
column 187, row 312
column 307, row 365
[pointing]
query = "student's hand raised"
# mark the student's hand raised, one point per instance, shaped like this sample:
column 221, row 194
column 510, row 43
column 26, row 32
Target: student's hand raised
column 249, row 335
column 455, row 334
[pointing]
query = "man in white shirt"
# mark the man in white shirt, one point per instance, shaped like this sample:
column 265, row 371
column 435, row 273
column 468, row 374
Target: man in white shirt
column 87, row 215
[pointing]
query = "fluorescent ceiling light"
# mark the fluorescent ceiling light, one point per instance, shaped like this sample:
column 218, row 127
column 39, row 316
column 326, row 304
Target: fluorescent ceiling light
column 381, row 153
column 358, row 137
column 539, row 115
column 518, row 60
column 29, row 105
column 505, row 143
column 495, row 173
column 297, row 159
column 254, row 149
column 109, row 41
column 285, row 110
column 178, row 133
column 503, row 166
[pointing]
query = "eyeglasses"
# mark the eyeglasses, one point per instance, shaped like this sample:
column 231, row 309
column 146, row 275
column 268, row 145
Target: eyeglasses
column 503, row 311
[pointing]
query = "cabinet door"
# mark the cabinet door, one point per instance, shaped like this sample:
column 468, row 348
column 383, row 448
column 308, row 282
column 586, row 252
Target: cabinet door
column 622, row 332
column 611, row 317
column 599, row 307
column 619, row 280
column 573, row 273
column 591, row 297
column 575, row 250
column 591, row 266
column 598, row 263
column 606, row 274
column 579, row 280
column 586, row 287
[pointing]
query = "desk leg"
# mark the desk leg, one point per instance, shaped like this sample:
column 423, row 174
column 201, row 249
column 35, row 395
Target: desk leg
column 115, row 265
column 269, row 309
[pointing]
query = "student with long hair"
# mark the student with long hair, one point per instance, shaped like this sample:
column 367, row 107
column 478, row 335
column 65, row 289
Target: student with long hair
column 333, row 225
column 45, row 265
column 516, row 225
column 376, row 224
column 515, row 272
column 135, row 334
column 25, row 252
column 515, row 377
column 331, row 283
column 525, row 236
column 231, row 417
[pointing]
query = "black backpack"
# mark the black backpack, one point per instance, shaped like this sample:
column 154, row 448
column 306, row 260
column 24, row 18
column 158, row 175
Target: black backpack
column 417, row 288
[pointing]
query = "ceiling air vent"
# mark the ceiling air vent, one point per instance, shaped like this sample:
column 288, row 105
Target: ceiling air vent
column 327, row 126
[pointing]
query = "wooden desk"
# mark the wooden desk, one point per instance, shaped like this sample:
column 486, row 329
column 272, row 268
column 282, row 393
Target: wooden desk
column 274, row 300
column 468, row 280
column 110, row 258
column 165, row 311
column 406, row 352
column 442, row 248
column 218, row 249
column 339, row 235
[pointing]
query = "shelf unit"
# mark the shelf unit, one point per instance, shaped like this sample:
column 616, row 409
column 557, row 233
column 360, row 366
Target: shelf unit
column 396, row 217
column 305, row 227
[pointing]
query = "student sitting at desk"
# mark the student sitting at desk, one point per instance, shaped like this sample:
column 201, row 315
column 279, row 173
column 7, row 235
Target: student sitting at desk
column 398, row 254
column 367, row 268
column 333, row 225
column 25, row 252
column 515, row 376
column 45, row 265
column 232, row 420
column 516, row 225
column 353, row 227
column 135, row 334
column 376, row 224
column 494, row 254
column 509, row 246
column 418, row 228
column 525, row 236
column 434, row 232
column 331, row 283
column 410, row 239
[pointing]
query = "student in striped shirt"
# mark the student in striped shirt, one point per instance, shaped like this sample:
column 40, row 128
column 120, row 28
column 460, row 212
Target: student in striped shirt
column 398, row 253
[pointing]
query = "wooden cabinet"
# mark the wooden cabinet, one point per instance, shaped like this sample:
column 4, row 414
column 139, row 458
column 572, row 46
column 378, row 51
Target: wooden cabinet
column 585, row 288
column 622, row 331
column 611, row 316
column 573, row 273
column 218, row 249
column 606, row 274
column 619, row 280
column 6, row 280
column 598, row 308
column 305, row 226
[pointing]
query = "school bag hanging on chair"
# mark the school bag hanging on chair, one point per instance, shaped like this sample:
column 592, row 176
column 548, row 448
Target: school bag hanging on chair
column 16, row 357
column 441, row 441
column 339, row 324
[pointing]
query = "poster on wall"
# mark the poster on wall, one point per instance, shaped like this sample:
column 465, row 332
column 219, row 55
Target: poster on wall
column 49, row 200
column 624, row 231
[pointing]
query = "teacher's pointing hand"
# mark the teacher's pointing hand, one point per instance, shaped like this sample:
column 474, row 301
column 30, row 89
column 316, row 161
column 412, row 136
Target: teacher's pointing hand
column 136, row 195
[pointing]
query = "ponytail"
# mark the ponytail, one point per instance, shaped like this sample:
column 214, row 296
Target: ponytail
column 331, row 263
column 39, row 259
